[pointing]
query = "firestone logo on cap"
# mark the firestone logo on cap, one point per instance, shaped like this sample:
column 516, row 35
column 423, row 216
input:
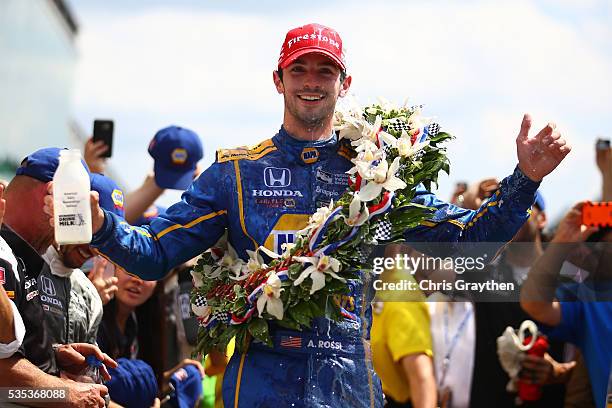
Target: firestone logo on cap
column 312, row 38
column 179, row 156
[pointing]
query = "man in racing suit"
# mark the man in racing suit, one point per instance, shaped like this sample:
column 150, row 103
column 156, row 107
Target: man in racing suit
column 263, row 195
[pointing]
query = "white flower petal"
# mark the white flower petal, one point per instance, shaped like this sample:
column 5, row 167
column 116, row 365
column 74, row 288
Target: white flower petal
column 318, row 281
column 261, row 303
column 274, row 306
column 393, row 184
column 370, row 191
column 334, row 264
column 306, row 259
column 305, row 273
column 387, row 138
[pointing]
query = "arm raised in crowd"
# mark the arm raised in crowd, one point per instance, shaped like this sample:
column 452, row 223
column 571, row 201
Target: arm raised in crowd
column 137, row 201
column 538, row 291
column 603, row 158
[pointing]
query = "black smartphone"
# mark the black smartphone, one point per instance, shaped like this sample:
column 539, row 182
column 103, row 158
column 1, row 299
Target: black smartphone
column 603, row 144
column 103, row 130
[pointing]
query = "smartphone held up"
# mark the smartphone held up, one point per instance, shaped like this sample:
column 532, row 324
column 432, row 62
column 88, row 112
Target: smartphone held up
column 103, row 130
column 597, row 214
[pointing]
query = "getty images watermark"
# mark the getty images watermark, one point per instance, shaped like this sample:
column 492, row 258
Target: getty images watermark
column 436, row 265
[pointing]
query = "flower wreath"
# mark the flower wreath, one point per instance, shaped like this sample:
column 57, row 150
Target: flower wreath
column 396, row 150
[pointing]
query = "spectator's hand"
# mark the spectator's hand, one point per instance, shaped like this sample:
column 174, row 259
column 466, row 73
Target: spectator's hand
column 536, row 370
column 93, row 155
column 544, row 370
column 477, row 193
column 156, row 403
column 97, row 215
column 71, row 358
column 570, row 228
column 82, row 395
column 603, row 157
column 538, row 156
column 187, row 361
column 106, row 286
column 457, row 196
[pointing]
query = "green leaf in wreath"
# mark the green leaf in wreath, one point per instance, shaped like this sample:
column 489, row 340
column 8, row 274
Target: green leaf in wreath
column 259, row 329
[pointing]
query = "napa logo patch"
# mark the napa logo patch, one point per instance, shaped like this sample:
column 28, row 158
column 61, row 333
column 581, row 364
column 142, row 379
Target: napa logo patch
column 179, row 155
column 2, row 276
column 310, row 155
column 117, row 196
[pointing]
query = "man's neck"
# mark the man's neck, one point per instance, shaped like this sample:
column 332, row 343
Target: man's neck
column 307, row 133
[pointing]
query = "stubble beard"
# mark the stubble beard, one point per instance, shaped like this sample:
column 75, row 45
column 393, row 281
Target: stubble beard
column 312, row 119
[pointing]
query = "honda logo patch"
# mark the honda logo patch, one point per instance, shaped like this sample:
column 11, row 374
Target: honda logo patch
column 277, row 177
column 47, row 286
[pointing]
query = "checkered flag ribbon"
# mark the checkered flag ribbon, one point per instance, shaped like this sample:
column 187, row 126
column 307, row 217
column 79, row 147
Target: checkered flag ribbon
column 222, row 317
column 397, row 125
column 383, row 230
column 364, row 252
column 433, row 129
column 200, row 300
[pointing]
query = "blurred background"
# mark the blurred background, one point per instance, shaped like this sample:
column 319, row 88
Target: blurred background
column 477, row 66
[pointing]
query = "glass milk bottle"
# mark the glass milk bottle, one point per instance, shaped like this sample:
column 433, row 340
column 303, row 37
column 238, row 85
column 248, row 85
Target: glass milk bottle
column 72, row 213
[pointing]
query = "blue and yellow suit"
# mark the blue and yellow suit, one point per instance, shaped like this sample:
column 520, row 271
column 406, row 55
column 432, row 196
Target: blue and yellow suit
column 262, row 196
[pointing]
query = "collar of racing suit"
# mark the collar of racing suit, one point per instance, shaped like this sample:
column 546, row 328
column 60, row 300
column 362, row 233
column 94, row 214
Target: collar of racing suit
column 293, row 148
column 53, row 258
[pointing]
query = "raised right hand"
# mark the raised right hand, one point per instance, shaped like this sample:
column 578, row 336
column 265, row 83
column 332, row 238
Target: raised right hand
column 105, row 285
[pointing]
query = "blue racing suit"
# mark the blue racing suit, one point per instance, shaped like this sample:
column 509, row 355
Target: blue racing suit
column 262, row 196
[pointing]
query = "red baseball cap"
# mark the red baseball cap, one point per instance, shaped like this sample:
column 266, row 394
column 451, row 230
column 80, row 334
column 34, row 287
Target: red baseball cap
column 311, row 38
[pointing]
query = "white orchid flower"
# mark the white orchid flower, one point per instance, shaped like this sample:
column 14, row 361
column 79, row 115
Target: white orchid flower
column 255, row 261
column 383, row 177
column 270, row 297
column 357, row 216
column 370, row 131
column 406, row 148
column 212, row 272
column 317, row 270
column 197, row 279
column 318, row 218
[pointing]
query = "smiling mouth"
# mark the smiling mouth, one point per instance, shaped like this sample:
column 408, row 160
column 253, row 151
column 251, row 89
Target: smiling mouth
column 134, row 291
column 310, row 98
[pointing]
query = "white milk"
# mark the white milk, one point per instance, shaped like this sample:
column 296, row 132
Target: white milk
column 71, row 187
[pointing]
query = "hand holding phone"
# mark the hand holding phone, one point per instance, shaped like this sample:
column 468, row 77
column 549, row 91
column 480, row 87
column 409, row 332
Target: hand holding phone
column 103, row 130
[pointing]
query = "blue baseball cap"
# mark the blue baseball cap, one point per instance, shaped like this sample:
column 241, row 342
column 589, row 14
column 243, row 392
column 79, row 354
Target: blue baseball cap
column 111, row 196
column 151, row 212
column 176, row 152
column 132, row 384
column 187, row 383
column 42, row 164
column 539, row 201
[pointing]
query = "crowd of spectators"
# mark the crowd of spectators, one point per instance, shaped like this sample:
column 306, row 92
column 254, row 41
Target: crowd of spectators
column 60, row 305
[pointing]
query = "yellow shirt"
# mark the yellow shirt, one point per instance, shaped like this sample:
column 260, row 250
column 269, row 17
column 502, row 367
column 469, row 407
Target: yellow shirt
column 399, row 329
column 208, row 367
